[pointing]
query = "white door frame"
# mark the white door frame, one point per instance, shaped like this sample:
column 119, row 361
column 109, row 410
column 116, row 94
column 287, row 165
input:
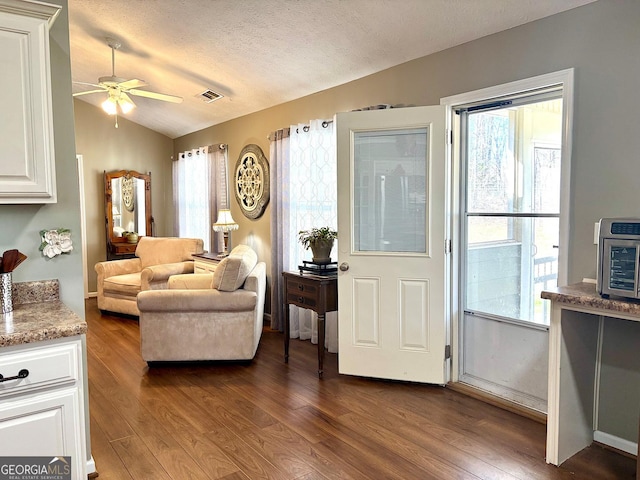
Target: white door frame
column 562, row 77
column 83, row 224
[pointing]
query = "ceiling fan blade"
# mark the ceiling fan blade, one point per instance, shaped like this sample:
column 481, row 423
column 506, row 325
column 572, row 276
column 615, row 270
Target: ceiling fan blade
column 102, row 90
column 156, row 96
column 133, row 83
column 90, row 84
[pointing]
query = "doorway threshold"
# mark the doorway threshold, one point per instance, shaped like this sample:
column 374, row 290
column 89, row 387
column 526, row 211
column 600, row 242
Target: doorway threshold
column 497, row 401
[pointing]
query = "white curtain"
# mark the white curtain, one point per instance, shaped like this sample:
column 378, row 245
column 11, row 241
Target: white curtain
column 305, row 196
column 197, row 191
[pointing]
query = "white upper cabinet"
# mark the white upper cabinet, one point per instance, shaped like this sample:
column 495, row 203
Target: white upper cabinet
column 27, row 156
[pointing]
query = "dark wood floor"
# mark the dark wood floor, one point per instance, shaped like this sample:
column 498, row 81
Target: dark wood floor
column 267, row 419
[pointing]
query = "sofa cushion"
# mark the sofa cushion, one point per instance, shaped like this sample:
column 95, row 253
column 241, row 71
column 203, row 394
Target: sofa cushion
column 160, row 250
column 127, row 284
column 233, row 270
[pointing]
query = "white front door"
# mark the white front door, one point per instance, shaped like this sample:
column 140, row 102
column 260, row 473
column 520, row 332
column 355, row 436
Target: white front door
column 393, row 279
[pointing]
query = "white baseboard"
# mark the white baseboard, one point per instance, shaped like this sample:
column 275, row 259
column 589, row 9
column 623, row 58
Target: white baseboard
column 615, row 442
column 91, row 466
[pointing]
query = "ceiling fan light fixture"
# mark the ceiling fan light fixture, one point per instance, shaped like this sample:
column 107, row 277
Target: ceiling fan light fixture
column 125, row 105
column 110, row 106
column 118, row 89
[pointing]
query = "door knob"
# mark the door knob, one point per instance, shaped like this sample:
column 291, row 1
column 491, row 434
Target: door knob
column 344, row 266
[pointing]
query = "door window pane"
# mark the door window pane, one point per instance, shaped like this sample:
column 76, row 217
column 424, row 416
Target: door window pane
column 389, row 200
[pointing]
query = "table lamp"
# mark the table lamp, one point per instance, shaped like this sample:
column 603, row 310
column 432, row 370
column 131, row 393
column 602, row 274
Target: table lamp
column 225, row 224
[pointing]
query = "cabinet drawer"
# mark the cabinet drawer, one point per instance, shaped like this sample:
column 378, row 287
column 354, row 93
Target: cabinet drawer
column 47, row 366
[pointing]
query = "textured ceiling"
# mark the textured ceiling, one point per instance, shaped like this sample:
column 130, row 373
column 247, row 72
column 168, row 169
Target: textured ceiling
column 260, row 53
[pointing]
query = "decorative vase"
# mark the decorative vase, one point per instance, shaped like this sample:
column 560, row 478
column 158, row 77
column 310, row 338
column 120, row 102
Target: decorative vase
column 132, row 237
column 321, row 250
column 6, row 297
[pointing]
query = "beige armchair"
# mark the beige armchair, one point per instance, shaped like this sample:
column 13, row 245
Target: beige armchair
column 208, row 316
column 157, row 258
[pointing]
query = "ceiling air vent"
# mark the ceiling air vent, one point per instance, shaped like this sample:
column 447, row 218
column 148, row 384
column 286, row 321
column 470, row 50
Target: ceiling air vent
column 209, row 96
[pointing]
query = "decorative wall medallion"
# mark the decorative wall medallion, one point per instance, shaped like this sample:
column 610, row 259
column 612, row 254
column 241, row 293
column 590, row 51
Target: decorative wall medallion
column 127, row 192
column 252, row 181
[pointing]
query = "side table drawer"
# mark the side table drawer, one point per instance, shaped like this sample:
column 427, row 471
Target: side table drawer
column 301, row 293
column 205, row 262
column 302, row 301
column 202, row 267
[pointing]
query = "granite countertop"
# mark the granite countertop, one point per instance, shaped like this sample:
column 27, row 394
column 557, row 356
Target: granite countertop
column 585, row 295
column 38, row 314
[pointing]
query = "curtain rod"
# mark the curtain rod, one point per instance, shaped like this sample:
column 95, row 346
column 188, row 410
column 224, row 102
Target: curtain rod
column 325, row 124
column 221, row 146
column 305, row 128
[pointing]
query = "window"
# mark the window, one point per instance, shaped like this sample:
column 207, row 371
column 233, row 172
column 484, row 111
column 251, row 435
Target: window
column 199, row 186
column 512, row 208
column 313, row 184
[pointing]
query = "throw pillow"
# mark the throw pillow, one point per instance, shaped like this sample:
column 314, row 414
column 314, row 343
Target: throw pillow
column 233, row 270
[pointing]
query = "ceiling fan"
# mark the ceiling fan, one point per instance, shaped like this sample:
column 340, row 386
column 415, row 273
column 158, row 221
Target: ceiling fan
column 118, row 89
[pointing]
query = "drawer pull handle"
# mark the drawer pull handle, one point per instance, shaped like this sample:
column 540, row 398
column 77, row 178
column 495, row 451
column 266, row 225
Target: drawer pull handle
column 24, row 373
column 300, row 287
column 301, row 299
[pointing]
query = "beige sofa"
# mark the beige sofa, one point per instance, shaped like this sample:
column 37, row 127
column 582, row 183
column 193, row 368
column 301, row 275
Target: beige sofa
column 208, row 316
column 157, row 258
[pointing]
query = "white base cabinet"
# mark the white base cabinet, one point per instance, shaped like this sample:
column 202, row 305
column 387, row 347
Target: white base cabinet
column 36, row 424
column 43, row 413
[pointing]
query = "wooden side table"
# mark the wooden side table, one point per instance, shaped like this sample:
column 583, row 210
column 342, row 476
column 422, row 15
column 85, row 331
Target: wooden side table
column 119, row 248
column 315, row 292
column 205, row 262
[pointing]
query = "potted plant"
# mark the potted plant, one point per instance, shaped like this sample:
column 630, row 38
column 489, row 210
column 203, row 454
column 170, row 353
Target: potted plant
column 320, row 241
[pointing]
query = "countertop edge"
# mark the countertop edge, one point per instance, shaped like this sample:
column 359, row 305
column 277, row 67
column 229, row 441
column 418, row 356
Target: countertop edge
column 41, row 335
column 584, row 294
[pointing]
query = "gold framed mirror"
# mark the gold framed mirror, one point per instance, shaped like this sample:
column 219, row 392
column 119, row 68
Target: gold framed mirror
column 127, row 200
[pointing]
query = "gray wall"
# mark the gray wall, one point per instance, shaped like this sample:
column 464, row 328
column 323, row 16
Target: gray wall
column 20, row 224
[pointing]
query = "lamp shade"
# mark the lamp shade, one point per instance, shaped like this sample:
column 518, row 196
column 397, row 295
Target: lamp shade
column 225, row 222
